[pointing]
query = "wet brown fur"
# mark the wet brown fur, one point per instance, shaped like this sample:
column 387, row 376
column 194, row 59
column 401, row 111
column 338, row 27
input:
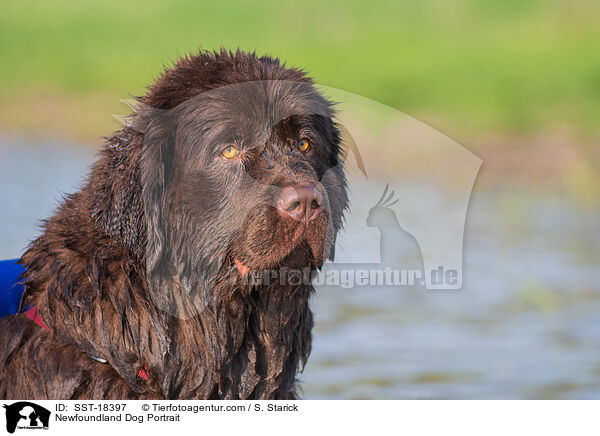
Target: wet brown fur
column 88, row 274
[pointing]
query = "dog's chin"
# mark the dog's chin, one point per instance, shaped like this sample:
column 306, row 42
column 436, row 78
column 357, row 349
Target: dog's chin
column 306, row 251
column 304, row 254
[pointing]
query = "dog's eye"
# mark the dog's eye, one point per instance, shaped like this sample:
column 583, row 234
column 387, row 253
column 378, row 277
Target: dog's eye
column 304, row 145
column 229, row 152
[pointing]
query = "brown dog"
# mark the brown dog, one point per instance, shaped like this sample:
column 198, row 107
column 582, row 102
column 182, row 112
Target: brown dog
column 145, row 278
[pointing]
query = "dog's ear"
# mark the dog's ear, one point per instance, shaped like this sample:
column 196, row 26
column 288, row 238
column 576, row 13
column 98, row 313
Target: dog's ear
column 114, row 189
column 155, row 168
column 128, row 181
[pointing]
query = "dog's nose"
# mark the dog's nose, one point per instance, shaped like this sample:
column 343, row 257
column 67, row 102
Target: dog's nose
column 302, row 203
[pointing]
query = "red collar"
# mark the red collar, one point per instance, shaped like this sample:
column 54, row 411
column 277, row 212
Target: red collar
column 33, row 314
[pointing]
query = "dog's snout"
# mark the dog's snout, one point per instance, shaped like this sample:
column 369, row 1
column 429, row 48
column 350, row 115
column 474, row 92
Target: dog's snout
column 302, row 203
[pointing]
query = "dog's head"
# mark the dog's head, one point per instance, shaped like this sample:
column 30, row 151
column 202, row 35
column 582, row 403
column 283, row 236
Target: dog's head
column 239, row 164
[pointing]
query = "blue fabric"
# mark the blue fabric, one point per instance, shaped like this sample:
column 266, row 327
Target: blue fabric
column 11, row 289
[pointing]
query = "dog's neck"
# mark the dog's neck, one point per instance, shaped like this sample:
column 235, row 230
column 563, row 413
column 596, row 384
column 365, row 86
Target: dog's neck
column 93, row 293
column 262, row 337
column 239, row 341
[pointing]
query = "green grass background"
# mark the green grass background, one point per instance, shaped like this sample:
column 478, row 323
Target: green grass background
column 508, row 66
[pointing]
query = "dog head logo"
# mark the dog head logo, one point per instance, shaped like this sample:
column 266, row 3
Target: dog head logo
column 26, row 415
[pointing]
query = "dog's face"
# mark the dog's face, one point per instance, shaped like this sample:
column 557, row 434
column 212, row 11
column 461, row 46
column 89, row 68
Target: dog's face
column 251, row 176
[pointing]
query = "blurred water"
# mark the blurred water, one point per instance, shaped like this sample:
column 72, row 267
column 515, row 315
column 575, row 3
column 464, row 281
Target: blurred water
column 525, row 325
